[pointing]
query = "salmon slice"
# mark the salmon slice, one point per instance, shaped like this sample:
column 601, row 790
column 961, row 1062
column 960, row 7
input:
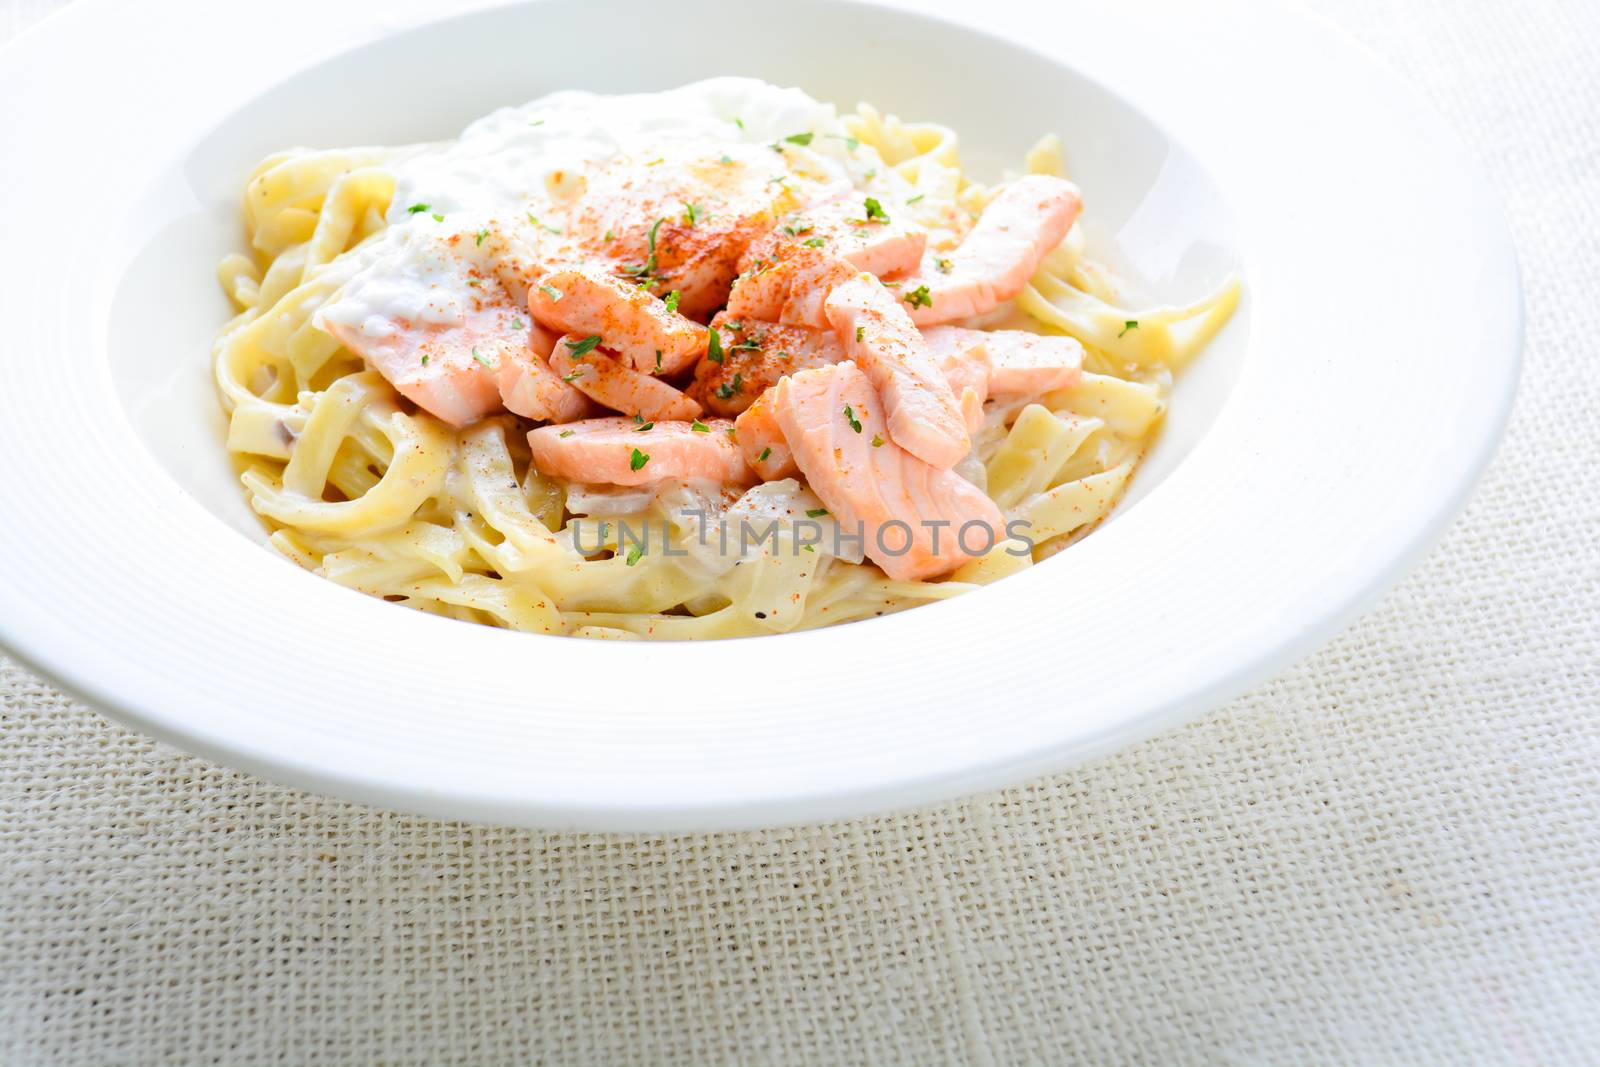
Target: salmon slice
column 678, row 219
column 530, row 388
column 761, row 440
column 619, row 451
column 597, row 375
column 789, row 289
column 631, row 322
column 446, row 370
column 1019, row 363
column 840, row 228
column 999, row 254
column 754, row 356
column 924, row 416
column 833, row 422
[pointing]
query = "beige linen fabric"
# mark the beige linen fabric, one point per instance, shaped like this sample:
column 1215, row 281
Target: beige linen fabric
column 1390, row 854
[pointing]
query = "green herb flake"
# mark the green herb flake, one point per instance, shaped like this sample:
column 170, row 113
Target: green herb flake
column 693, row 213
column 815, row 242
column 799, row 138
column 914, row 199
column 633, row 555
column 850, row 417
column 875, row 212
column 579, row 349
column 861, row 334
column 437, row 217
column 816, row 513
column 849, row 142
column 481, row 234
column 424, row 359
column 551, row 291
column 416, row 209
column 765, row 452
column 566, row 433
column 919, row 297
column 1131, row 324
column 699, row 427
column 877, row 442
column 638, row 460
column 643, row 426
column 609, row 237
column 727, row 390
column 574, row 376
column 713, row 345
column 537, row 122
column 727, row 160
column 943, row 264
column 739, row 122
column 658, row 361
column 485, row 360
column 672, row 300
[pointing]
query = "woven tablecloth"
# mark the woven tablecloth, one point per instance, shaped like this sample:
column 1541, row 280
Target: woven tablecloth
column 1390, row 854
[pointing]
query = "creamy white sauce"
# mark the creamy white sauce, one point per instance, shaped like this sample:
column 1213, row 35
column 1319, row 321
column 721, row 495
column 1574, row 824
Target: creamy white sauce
column 517, row 171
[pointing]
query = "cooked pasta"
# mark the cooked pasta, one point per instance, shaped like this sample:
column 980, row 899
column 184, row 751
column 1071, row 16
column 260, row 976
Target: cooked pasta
column 442, row 503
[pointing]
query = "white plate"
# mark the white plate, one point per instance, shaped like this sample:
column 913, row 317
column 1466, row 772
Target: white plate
column 1313, row 453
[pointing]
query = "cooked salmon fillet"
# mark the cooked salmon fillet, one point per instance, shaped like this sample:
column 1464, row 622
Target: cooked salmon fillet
column 761, row 440
column 835, row 425
column 1019, row 363
column 598, row 375
column 637, row 326
column 754, row 356
column 530, row 388
column 924, row 416
column 620, row 451
column 999, row 254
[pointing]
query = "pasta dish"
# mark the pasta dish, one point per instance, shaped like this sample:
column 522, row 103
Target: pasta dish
column 712, row 362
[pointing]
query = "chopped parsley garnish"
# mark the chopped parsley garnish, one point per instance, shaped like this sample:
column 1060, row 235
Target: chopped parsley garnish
column 416, row 209
column 875, row 212
column 799, row 138
column 672, row 300
column 777, row 178
column 943, row 264
column 798, row 228
column 728, row 389
column 713, row 345
column 727, row 160
column 815, row 242
column 658, row 360
column 849, row 142
column 643, row 426
column 547, row 229
column 566, row 433
column 733, row 324
column 809, row 548
column 914, row 199
column 877, row 442
column 516, row 323
column 485, row 360
column 481, row 234
column 1131, row 324
column 919, row 298
column 551, row 291
column 437, row 217
column 633, row 555
column 693, row 213
column 579, row 349
column 653, row 228
column 574, row 376
column 537, row 122
column 816, row 513
column 765, row 452
column 699, row 427
column 609, row 237
column 861, row 334
column 850, row 417
column 739, row 122
column 638, row 460
column 424, row 359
